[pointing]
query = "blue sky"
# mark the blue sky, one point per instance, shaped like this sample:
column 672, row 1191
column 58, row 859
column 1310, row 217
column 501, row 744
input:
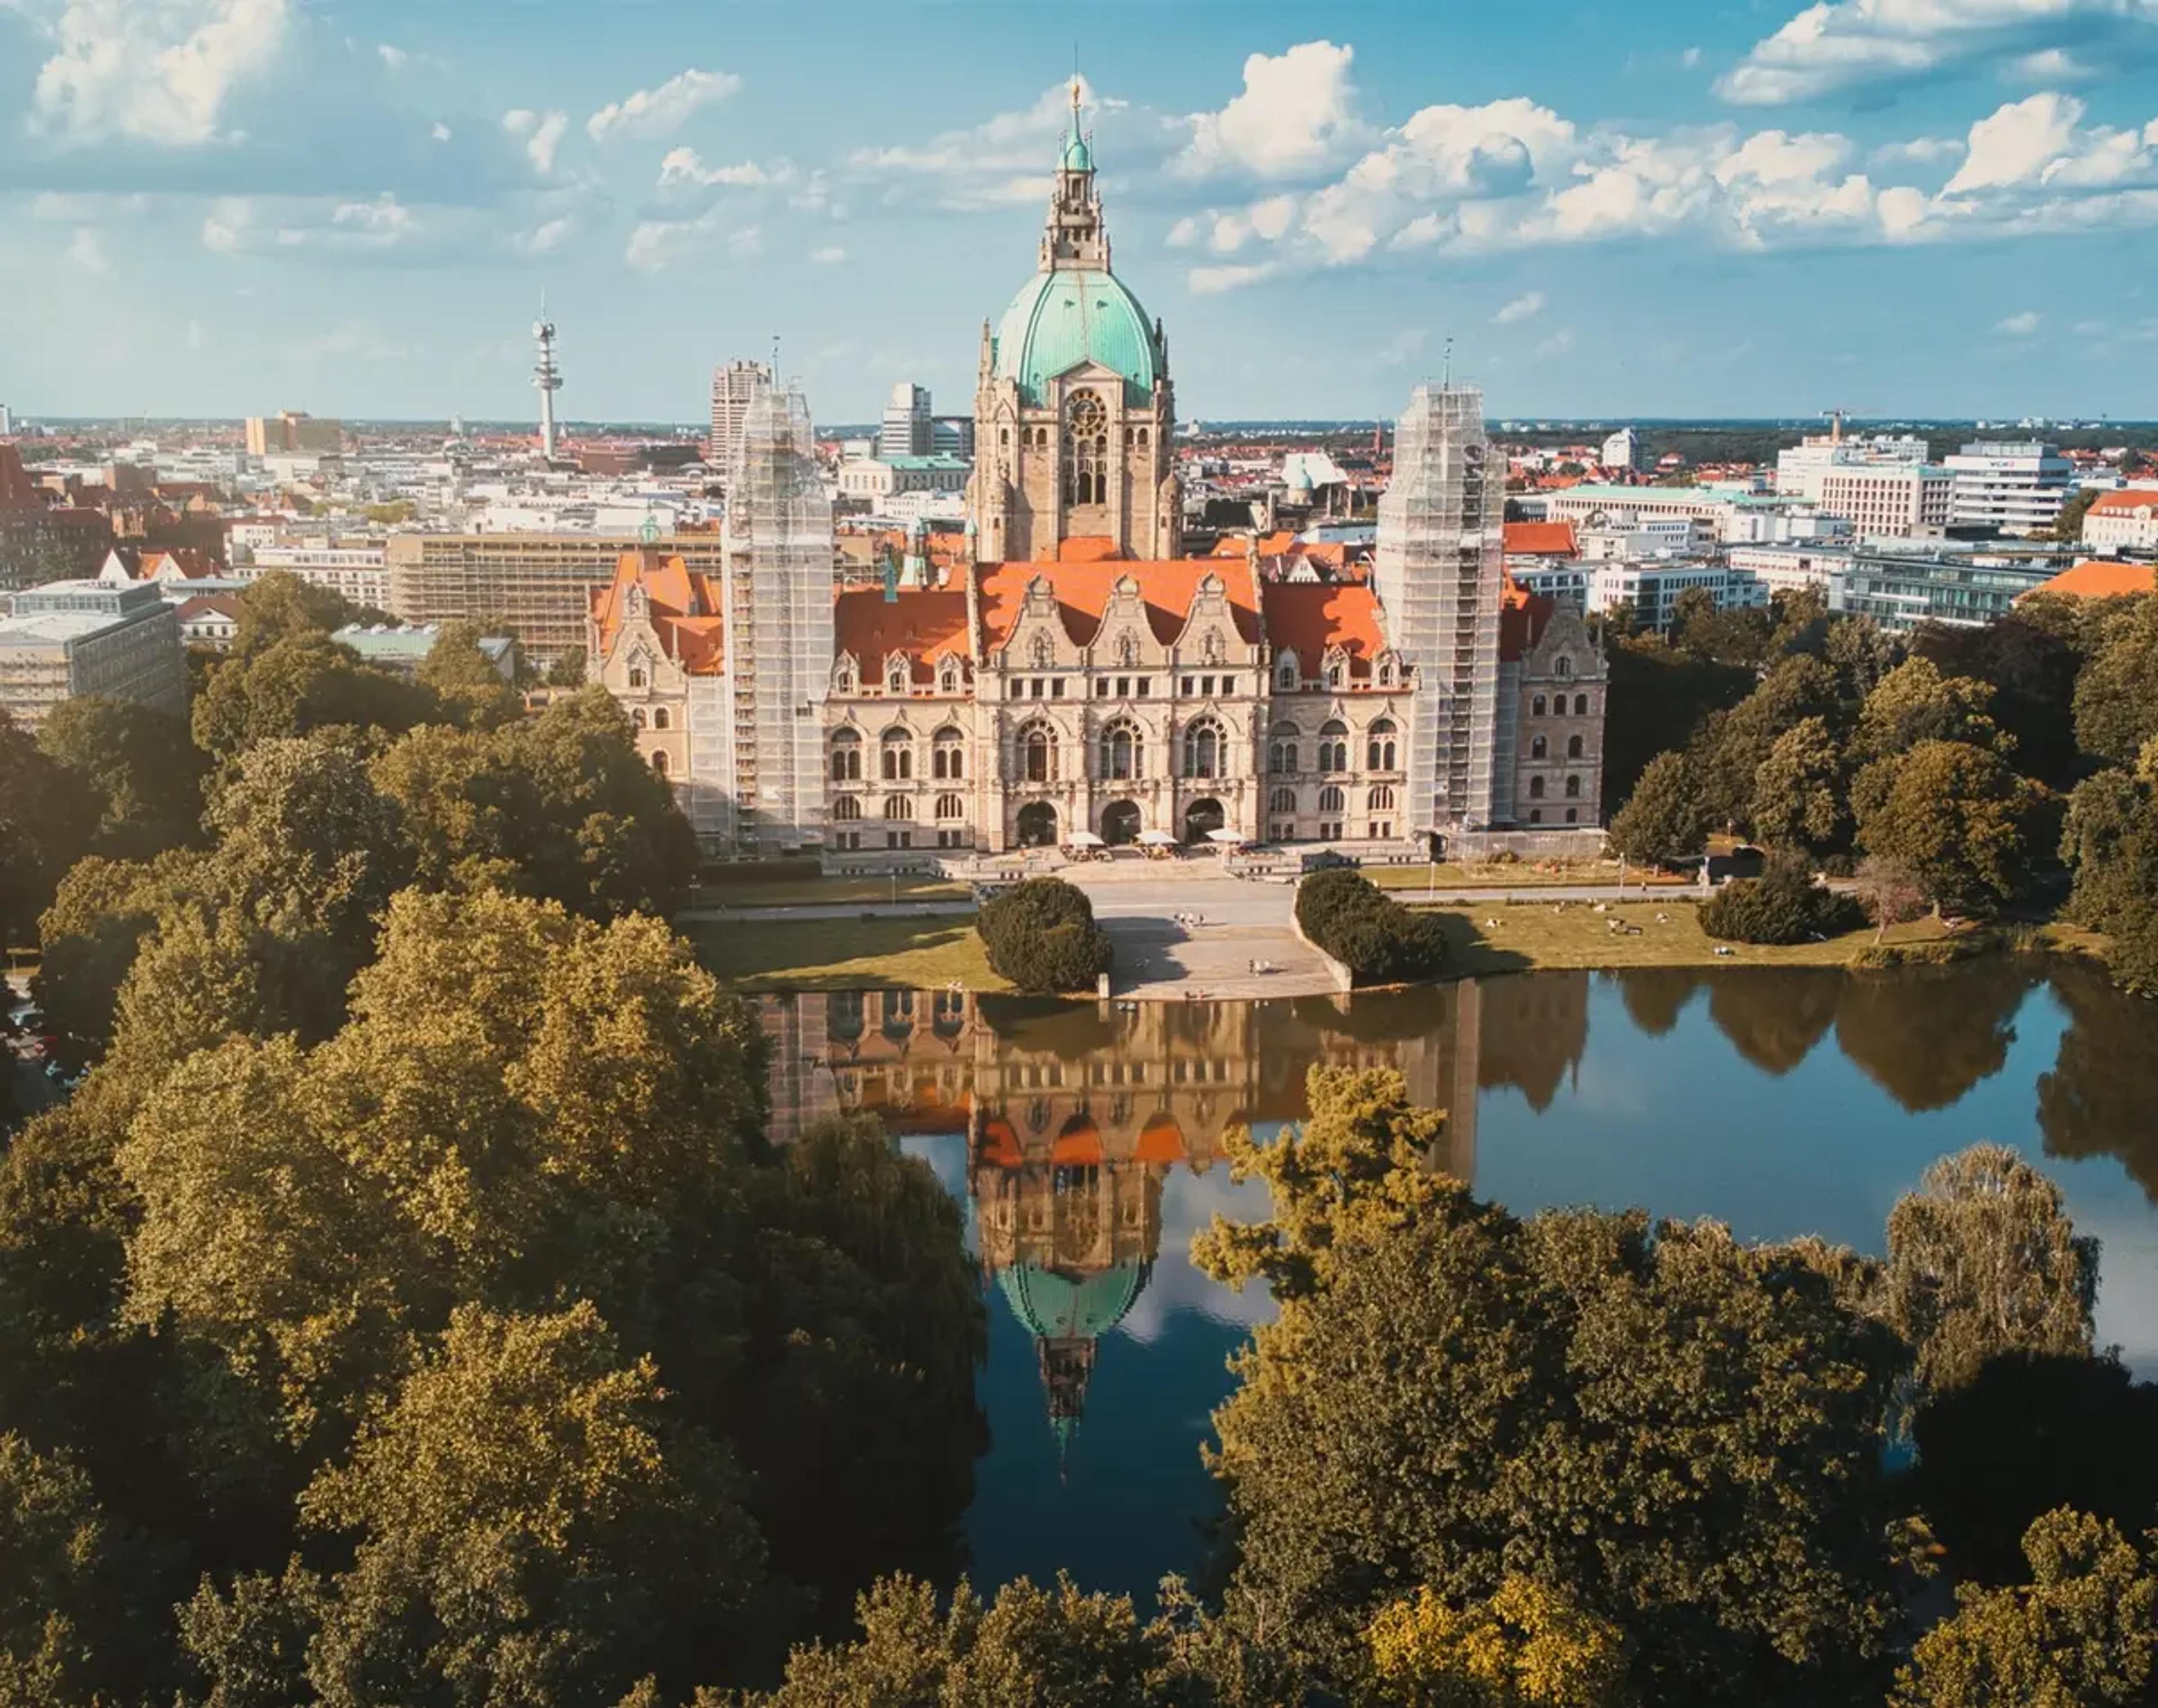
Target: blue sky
column 1944, row 207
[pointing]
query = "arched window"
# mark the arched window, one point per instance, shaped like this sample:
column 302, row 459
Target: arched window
column 898, row 756
column 950, row 807
column 659, row 717
column 1086, row 450
column 1205, row 753
column 846, row 758
column 1537, row 747
column 1536, row 816
column 1537, row 707
column 1573, row 747
column 1285, row 672
column 636, row 717
column 1581, row 705
column 637, row 676
column 659, row 763
column 947, row 677
column 1123, row 752
column 1282, row 801
column 1379, row 745
column 1563, row 668
column 899, row 806
column 1004, row 436
column 1037, row 747
column 1333, row 745
column 1573, row 789
column 946, row 763
column 1381, row 800
column 843, row 679
column 1142, row 437
column 1281, row 755
column 896, row 676
column 1535, row 789
column 1331, row 799
column 846, row 808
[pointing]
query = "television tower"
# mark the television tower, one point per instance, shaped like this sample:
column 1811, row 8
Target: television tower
column 547, row 378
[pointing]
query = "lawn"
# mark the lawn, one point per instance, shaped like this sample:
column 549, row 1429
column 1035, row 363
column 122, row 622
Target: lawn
column 1511, row 874
column 919, row 953
column 1515, row 935
column 794, row 892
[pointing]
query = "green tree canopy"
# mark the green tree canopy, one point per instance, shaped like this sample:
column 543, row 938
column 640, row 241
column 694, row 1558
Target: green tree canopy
column 297, row 684
column 143, row 764
column 472, row 691
column 1528, row 1646
column 48, row 815
column 2116, row 701
column 1914, row 703
column 1956, row 817
column 1798, row 790
column 1665, row 821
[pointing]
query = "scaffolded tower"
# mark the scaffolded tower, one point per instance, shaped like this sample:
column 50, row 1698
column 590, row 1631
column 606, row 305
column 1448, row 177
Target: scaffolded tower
column 778, row 597
column 1440, row 574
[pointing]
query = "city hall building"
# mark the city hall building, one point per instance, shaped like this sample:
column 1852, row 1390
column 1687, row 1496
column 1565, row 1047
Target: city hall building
column 1075, row 671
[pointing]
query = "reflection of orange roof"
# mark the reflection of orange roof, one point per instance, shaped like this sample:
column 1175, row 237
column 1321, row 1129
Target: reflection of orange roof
column 919, row 622
column 1000, row 1144
column 1307, row 617
column 1080, row 1143
column 1083, row 585
column 1541, row 540
column 2096, row 579
column 684, row 608
column 1161, row 1140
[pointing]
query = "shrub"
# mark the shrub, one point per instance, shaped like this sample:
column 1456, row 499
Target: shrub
column 1783, row 905
column 1041, row 936
column 1353, row 920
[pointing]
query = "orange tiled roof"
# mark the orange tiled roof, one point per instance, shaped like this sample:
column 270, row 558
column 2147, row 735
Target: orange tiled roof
column 1541, row 540
column 2095, row 578
column 2127, row 500
column 1307, row 618
column 919, row 622
column 1082, row 584
column 1086, row 548
column 684, row 607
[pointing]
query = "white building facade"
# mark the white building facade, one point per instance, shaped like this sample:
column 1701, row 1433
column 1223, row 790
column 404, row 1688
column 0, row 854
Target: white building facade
column 2016, row 486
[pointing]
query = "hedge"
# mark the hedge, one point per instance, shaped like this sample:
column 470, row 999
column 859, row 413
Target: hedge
column 1041, row 936
column 1353, row 920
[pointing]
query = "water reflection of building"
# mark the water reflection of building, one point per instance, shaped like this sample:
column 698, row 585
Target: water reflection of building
column 1076, row 1114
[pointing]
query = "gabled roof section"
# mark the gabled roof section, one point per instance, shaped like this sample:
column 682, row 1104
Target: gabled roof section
column 683, row 606
column 1310, row 617
column 1541, row 540
column 2095, row 578
column 921, row 622
column 1167, row 588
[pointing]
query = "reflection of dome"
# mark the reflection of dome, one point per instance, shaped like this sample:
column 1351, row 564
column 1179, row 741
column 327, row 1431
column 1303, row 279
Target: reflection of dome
column 1057, row 1306
column 1062, row 318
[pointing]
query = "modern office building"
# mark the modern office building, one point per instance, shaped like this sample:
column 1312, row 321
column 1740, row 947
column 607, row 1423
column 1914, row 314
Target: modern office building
column 2013, row 486
column 1801, row 468
column 70, row 638
column 1622, row 449
column 1899, row 592
column 733, row 384
column 907, row 429
column 293, row 431
column 1884, row 500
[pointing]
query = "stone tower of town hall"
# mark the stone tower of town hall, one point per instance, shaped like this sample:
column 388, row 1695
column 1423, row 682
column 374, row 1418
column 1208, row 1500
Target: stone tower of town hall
column 1073, row 408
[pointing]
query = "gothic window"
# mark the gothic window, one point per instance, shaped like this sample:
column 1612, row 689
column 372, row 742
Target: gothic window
column 1537, row 707
column 1085, row 451
column 636, row 676
column 1385, row 672
column 1123, row 752
column 898, row 756
column 659, row 764
column 946, row 760
column 1003, row 437
column 950, row 807
column 947, row 677
column 1281, row 755
column 1379, row 750
column 1282, row 801
column 1285, row 672
column 1535, row 789
column 1563, row 668
column 1573, row 789
column 898, row 807
column 1143, row 437
column 843, row 679
column 1037, row 746
column 1204, row 750
column 659, row 717
column 1331, row 799
column 1573, row 747
column 1381, row 800
column 846, row 808
column 846, row 758
column 1333, row 745
column 1581, row 705
column 895, row 674
column 1537, row 748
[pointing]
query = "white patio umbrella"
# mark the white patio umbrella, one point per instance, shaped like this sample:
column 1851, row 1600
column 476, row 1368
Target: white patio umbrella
column 1083, row 838
column 1227, row 836
column 1157, row 838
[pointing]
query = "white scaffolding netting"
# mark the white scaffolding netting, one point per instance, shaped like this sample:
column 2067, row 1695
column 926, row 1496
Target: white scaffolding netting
column 1440, row 575
column 778, row 593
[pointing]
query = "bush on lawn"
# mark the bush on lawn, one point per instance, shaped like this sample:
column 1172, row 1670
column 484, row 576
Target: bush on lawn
column 1041, row 936
column 1783, row 905
column 1356, row 922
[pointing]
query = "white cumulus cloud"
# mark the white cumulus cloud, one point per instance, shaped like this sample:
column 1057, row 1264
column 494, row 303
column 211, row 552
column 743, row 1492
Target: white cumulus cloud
column 684, row 167
column 86, row 250
column 1211, row 281
column 2018, row 326
column 1297, row 114
column 831, row 255
column 657, row 112
column 1525, row 307
column 155, row 72
column 542, row 134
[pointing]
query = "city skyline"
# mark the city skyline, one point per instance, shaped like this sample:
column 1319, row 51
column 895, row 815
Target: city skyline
column 221, row 207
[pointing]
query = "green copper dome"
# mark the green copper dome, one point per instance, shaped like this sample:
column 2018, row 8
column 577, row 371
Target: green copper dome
column 1081, row 314
column 1055, row 1307
column 1077, row 156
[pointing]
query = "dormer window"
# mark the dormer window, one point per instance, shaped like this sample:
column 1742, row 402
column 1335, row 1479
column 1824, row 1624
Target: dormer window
column 1285, row 675
column 637, row 676
column 894, row 676
column 947, row 677
column 1563, row 668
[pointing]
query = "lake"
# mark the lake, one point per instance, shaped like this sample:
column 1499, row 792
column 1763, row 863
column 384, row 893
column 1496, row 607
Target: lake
column 1085, row 1142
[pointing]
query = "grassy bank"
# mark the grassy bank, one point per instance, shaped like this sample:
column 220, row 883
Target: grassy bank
column 844, row 954
column 796, row 892
column 1514, row 936
column 1515, row 874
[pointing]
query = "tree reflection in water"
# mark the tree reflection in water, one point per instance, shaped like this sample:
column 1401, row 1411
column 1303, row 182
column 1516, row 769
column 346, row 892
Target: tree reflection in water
column 2101, row 1099
column 1927, row 1034
column 1656, row 996
column 1773, row 1017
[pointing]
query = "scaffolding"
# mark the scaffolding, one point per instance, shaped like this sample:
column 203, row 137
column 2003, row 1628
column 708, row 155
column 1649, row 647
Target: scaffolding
column 777, row 592
column 1440, row 574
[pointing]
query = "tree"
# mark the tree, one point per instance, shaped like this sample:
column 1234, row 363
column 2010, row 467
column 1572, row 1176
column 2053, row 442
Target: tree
column 464, row 679
column 1891, row 892
column 1528, row 1646
column 294, row 685
column 143, row 764
column 2031, row 658
column 1656, row 697
column 48, row 815
column 89, row 938
column 1957, row 817
column 1798, row 790
column 2068, row 523
column 2085, row 1631
column 568, row 669
column 1498, row 1397
column 1664, row 821
column 1729, row 750
column 1041, row 936
column 1915, row 703
column 1982, row 1261
column 1379, row 941
column 1783, row 905
column 2116, row 698
column 2109, row 842
column 279, row 605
